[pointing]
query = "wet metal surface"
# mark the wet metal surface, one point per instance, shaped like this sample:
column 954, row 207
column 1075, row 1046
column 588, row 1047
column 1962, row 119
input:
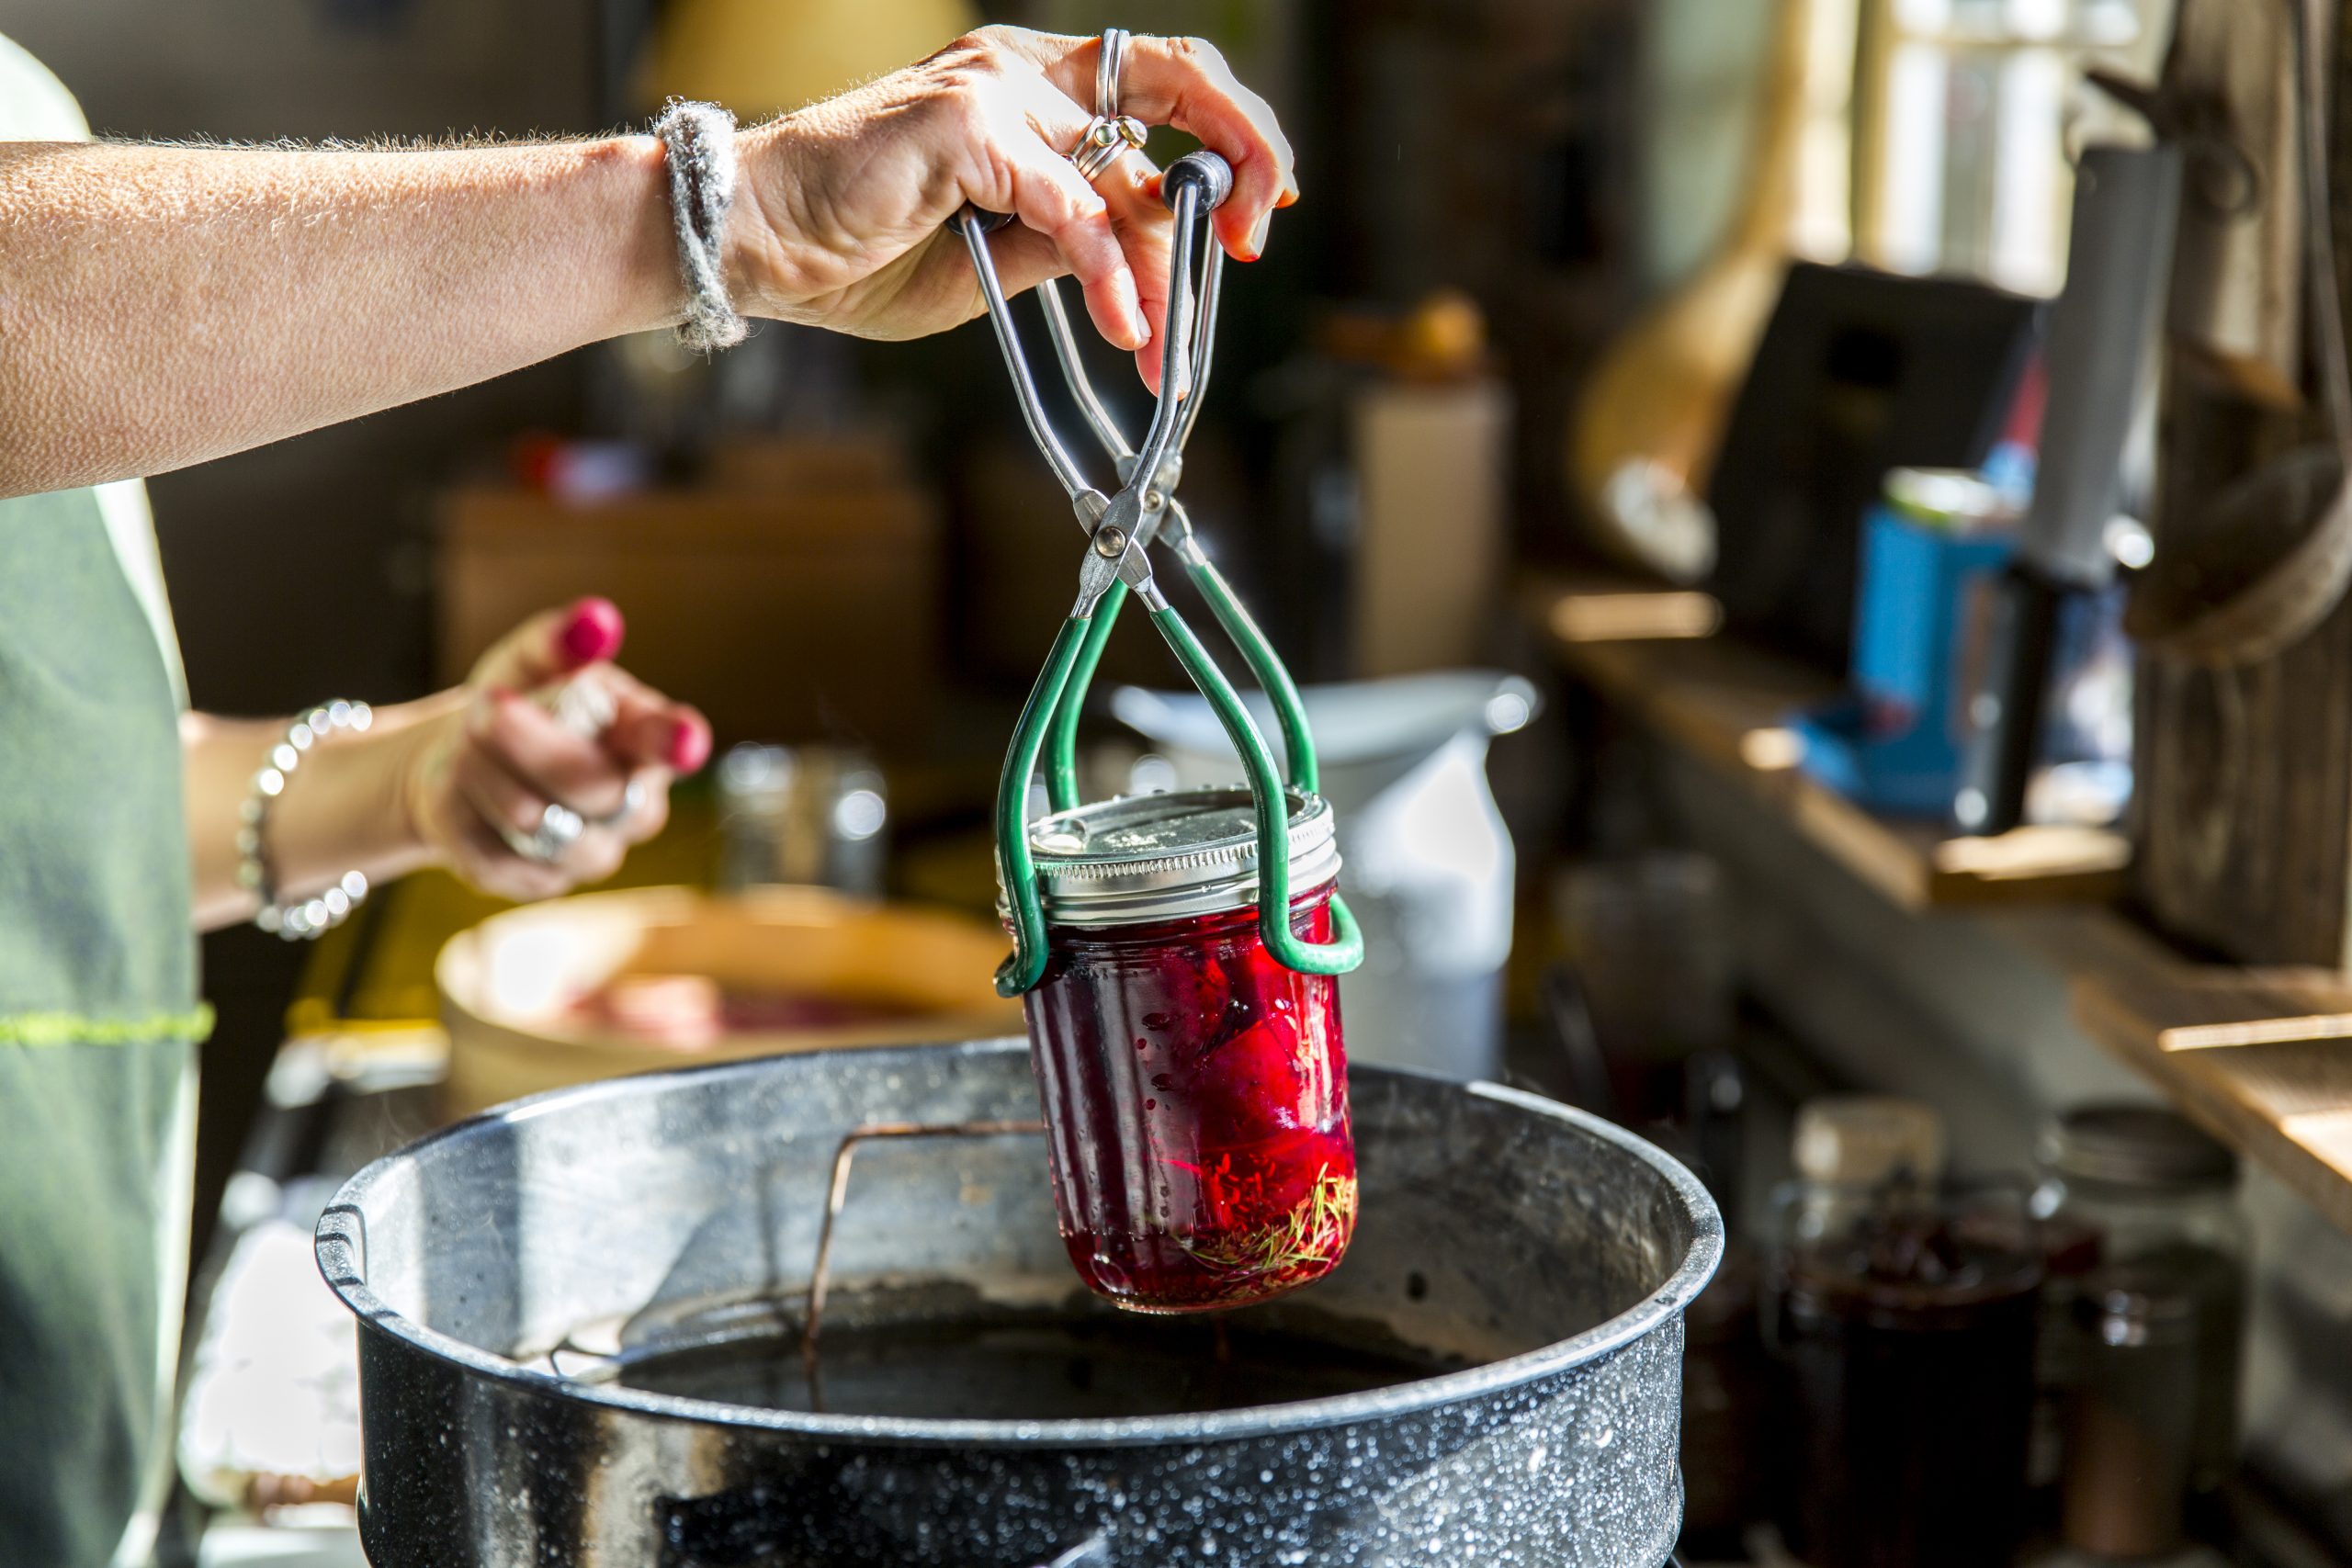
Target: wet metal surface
column 1547, row 1254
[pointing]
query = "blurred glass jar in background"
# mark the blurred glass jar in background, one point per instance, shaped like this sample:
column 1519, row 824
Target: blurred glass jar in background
column 2131, row 1413
column 811, row 815
column 1903, row 1310
column 2138, row 1186
column 1649, row 941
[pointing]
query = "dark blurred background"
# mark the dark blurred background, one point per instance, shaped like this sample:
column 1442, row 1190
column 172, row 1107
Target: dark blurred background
column 1567, row 276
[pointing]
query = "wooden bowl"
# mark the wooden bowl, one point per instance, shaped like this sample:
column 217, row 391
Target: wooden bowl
column 511, row 988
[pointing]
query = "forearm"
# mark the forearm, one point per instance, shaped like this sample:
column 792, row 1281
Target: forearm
column 161, row 306
column 343, row 809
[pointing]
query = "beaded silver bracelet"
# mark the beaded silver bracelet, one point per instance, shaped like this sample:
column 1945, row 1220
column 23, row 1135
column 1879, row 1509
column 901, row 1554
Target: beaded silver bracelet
column 307, row 917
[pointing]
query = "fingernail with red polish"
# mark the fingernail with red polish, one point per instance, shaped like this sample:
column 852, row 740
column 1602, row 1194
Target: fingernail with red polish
column 689, row 744
column 591, row 631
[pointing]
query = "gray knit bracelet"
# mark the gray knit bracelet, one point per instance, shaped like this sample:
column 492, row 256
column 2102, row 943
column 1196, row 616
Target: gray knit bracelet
column 699, row 141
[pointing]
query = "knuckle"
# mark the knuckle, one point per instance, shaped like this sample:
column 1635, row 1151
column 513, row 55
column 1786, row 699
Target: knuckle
column 973, row 115
column 1202, row 56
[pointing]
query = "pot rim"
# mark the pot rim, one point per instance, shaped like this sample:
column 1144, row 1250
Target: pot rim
column 340, row 1252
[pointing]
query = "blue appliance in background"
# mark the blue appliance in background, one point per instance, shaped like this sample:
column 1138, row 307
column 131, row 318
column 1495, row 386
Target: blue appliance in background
column 1932, row 551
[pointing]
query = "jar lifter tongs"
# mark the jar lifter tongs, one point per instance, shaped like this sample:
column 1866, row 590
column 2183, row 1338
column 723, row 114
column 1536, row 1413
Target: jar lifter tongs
column 1119, row 529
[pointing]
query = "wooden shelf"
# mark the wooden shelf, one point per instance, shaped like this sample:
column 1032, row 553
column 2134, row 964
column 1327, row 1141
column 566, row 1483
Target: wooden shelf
column 1660, row 655
column 2263, row 1058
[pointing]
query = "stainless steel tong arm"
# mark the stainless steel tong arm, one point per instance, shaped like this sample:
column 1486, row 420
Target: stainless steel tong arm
column 1194, row 186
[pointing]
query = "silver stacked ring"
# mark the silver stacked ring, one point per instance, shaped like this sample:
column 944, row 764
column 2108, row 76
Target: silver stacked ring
column 560, row 827
column 1108, row 65
column 1108, row 134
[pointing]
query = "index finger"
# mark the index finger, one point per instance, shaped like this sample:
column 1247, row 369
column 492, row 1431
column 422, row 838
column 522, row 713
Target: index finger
column 651, row 730
column 1185, row 82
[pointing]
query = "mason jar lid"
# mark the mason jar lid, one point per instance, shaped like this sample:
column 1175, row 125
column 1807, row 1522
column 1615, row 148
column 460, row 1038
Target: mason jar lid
column 1165, row 856
column 1867, row 1139
column 2132, row 1146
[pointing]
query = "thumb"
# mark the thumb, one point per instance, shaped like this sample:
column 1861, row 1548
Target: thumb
column 550, row 645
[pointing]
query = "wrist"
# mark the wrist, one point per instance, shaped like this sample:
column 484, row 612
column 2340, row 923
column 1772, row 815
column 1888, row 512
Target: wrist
column 627, row 182
column 287, row 832
column 418, row 745
column 351, row 808
column 765, row 232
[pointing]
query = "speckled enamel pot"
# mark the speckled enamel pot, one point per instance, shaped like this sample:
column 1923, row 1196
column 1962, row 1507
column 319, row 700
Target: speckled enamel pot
column 1551, row 1252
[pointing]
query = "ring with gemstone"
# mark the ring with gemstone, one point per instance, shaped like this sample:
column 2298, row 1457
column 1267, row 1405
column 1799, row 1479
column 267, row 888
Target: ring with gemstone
column 1110, row 132
column 1104, row 140
column 560, row 827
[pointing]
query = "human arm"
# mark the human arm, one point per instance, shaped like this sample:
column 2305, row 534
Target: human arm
column 428, row 782
column 160, row 306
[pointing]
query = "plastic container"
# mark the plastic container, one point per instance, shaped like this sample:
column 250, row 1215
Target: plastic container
column 2136, row 1185
column 1194, row 1089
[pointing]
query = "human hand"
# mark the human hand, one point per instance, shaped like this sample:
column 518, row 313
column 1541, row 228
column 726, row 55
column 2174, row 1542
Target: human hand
column 496, row 765
column 848, row 200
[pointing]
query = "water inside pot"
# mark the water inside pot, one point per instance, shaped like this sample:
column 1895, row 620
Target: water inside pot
column 987, row 1362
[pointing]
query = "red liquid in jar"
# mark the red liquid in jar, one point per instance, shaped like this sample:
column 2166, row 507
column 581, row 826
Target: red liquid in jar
column 1195, row 1097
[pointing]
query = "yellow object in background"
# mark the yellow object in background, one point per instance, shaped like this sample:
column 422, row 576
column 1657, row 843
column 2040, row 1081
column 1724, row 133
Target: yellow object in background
column 842, row 973
column 375, row 974
column 764, row 57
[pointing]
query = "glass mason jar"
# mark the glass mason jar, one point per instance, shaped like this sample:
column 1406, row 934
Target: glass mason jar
column 2131, row 1414
column 2125, row 1184
column 1194, row 1089
column 1904, row 1317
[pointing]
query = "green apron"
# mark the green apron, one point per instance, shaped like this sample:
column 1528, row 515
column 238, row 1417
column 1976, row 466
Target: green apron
column 98, row 1015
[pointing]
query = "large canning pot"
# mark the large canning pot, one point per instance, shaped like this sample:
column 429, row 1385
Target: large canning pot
column 579, row 1319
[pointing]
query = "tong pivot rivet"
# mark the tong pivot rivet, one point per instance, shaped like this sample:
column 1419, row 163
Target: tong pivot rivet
column 1109, row 541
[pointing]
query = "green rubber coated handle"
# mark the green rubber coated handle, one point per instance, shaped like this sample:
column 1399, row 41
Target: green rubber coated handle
column 1345, row 950
column 1257, row 651
column 1273, row 676
column 1015, row 866
column 1061, row 747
